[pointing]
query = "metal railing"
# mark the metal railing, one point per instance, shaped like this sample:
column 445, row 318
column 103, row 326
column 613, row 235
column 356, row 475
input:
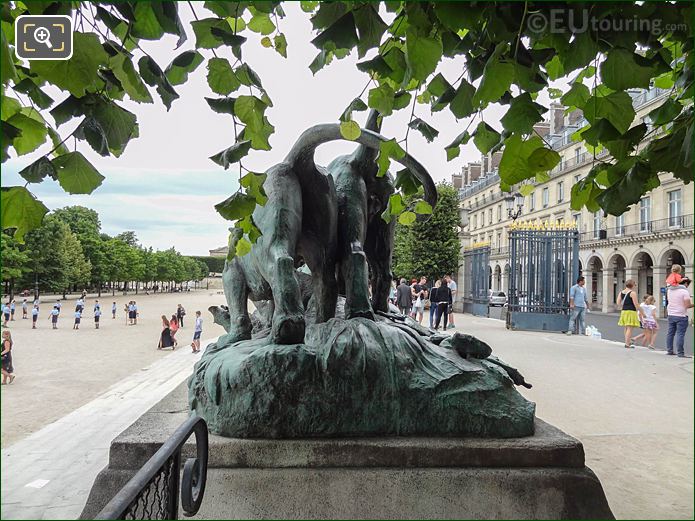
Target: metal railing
column 681, row 222
column 153, row 493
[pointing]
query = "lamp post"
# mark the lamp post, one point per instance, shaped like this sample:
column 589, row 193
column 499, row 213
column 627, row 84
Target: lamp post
column 512, row 200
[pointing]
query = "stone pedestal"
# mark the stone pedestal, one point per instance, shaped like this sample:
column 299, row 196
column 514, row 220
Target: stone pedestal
column 537, row 477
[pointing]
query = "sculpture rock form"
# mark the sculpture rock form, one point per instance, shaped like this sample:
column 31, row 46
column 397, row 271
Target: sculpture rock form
column 310, row 363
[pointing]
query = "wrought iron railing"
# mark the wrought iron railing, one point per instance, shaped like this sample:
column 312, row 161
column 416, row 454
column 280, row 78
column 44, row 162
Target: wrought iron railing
column 153, row 493
column 680, row 222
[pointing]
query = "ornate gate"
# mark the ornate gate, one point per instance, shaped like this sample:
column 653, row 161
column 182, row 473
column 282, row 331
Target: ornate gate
column 544, row 262
column 476, row 280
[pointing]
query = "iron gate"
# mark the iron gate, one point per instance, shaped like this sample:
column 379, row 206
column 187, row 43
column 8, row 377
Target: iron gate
column 544, row 264
column 476, row 280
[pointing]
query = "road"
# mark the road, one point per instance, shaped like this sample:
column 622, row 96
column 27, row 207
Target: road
column 607, row 324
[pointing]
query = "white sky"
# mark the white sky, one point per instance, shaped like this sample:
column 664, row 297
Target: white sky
column 164, row 186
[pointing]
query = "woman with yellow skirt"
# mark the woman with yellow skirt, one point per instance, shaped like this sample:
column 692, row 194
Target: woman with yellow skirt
column 629, row 314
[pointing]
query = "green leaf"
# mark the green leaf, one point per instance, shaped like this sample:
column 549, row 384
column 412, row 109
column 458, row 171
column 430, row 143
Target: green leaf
column 356, row 105
column 664, row 81
column 228, row 37
column 452, row 149
column 407, row 218
column 623, row 69
column 204, row 37
column 381, row 98
column 422, row 53
column 266, row 42
column 543, row 159
column 577, row 96
column 236, row 207
column 254, row 186
column 7, row 69
column 396, row 204
column 406, row 182
column 222, row 105
column 423, row 208
column 666, row 112
column 261, row 23
column 308, row 6
column 250, row 110
column 370, row 27
column 39, row 97
column 79, row 73
column 526, row 189
column 118, row 124
column 21, row 210
column 8, row 107
column 554, row 68
column 350, row 130
column 428, row 132
column 514, row 166
column 452, row 153
column 401, row 100
column 76, row 175
column 146, row 25
column 340, row 35
column 178, row 70
column 33, row 133
column 232, row 154
column 152, row 75
column 622, row 146
column 615, row 107
column 91, row 131
column 388, row 150
column 497, row 79
column 522, row 115
column 600, row 131
column 60, row 148
column 124, row 70
column 556, row 93
column 280, row 44
column 439, row 85
column 243, row 246
column 462, row 104
column 485, row 137
column 618, row 198
column 377, row 65
column 38, row 170
column 221, row 77
column 247, row 76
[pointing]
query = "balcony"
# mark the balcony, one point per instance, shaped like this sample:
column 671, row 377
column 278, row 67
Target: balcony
column 682, row 222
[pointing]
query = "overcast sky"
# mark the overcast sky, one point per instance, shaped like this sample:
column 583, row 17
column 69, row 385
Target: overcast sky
column 164, row 186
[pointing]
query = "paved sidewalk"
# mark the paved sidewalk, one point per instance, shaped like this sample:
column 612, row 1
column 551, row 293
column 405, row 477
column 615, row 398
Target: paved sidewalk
column 48, row 475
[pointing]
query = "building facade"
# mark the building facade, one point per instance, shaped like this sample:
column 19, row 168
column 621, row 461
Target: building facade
column 642, row 244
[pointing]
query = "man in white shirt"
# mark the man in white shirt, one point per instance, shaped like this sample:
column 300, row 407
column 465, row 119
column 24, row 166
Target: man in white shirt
column 452, row 286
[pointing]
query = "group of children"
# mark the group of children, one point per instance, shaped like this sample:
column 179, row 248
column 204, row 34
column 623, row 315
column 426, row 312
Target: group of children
column 8, row 311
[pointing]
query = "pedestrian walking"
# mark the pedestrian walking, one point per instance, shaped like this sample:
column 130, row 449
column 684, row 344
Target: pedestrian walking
column 34, row 316
column 174, row 327
column 454, row 289
column 97, row 316
column 6, row 313
column 113, row 311
column 135, row 313
column 420, row 293
column 53, row 317
column 650, row 326
column 679, row 301
column 629, row 316
column 180, row 313
column 13, row 306
column 165, row 339
column 25, row 309
column 579, row 303
column 443, row 301
column 6, row 355
column 433, row 306
column 404, row 298
column 197, row 332
column 78, row 317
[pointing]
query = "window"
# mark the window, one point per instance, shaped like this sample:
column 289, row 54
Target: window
column 499, row 239
column 475, row 221
column 489, row 215
column 560, row 191
column 577, row 218
column 482, row 218
column 499, row 213
column 648, row 121
column 546, row 197
column 577, row 154
column 645, row 212
column 576, row 178
column 620, row 225
column 674, row 207
column 532, row 201
column 597, row 224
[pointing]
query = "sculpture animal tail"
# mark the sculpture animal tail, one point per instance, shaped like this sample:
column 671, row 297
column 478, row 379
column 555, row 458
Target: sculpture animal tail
column 301, row 155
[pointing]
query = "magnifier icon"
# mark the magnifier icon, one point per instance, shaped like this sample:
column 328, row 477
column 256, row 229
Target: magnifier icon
column 43, row 35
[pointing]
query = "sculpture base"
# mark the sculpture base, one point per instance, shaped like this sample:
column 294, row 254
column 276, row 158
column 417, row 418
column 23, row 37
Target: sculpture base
column 537, row 477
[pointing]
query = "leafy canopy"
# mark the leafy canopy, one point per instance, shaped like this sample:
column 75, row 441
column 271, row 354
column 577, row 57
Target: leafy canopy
column 501, row 56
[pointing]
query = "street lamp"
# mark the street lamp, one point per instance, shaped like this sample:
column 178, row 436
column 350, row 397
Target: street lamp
column 512, row 200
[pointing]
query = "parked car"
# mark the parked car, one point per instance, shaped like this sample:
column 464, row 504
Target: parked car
column 497, row 298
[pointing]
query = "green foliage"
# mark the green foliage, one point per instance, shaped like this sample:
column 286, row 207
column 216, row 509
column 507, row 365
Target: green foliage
column 502, row 59
column 430, row 248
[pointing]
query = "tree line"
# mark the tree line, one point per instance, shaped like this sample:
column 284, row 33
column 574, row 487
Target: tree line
column 69, row 252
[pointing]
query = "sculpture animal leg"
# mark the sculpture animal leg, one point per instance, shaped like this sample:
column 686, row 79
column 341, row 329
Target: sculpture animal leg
column 288, row 317
column 379, row 249
column 236, row 292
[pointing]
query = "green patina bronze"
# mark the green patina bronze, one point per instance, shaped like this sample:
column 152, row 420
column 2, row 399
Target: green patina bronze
column 320, row 357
